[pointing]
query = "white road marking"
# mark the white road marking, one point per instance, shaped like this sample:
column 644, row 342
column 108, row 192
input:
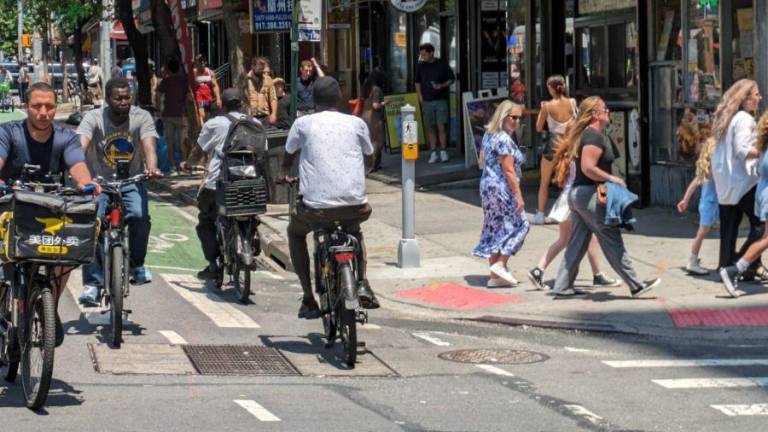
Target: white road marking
column 494, row 370
column 572, row 349
column 686, row 363
column 173, row 337
column 218, row 310
column 585, row 413
column 159, row 267
column 257, row 410
column 692, row 383
column 431, row 339
column 743, row 410
column 183, row 214
column 371, row 326
column 269, row 274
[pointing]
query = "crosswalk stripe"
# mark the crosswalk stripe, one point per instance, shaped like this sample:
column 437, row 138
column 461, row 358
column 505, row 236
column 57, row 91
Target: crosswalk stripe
column 173, row 337
column 214, row 307
column 692, row 383
column 686, row 363
column 743, row 410
column 494, row 370
column 257, row 410
column 431, row 339
column 579, row 350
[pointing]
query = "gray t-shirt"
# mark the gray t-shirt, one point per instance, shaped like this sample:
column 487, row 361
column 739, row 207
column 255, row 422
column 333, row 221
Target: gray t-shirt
column 110, row 143
column 331, row 163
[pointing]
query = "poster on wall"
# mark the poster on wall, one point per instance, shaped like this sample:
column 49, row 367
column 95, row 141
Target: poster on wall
column 271, row 15
column 310, row 20
column 616, row 131
column 394, row 119
column 340, row 14
column 493, row 55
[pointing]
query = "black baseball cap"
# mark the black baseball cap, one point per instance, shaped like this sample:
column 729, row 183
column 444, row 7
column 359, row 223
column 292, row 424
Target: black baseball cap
column 231, row 98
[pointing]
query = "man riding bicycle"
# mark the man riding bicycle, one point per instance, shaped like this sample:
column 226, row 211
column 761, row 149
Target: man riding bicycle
column 332, row 147
column 39, row 141
column 120, row 132
column 211, row 141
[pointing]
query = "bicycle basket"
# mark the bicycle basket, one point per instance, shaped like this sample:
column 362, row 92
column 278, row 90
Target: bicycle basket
column 241, row 197
column 47, row 228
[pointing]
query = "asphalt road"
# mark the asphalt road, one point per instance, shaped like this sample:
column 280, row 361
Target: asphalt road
column 591, row 382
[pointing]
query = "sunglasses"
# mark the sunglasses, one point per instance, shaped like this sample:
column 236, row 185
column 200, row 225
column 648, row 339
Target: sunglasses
column 515, row 117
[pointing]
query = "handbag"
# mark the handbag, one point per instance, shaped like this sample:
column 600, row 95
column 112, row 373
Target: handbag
column 602, row 194
column 356, row 106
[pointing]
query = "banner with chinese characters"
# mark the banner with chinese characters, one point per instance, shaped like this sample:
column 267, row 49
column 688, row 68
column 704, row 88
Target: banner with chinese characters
column 268, row 16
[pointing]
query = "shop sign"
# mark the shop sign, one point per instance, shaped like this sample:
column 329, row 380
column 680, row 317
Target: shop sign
column 340, row 14
column 400, row 39
column 408, row 5
column 596, row 6
column 270, row 16
column 209, row 4
column 310, row 20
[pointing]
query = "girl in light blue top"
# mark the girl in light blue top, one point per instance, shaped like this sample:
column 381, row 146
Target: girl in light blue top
column 708, row 205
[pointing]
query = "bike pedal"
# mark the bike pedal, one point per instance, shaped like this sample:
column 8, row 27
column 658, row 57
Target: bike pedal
column 127, row 311
column 361, row 344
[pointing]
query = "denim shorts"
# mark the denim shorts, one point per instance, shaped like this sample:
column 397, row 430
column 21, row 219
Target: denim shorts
column 434, row 113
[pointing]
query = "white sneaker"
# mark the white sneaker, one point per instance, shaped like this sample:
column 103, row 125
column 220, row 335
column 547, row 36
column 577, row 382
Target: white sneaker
column 499, row 270
column 498, row 283
column 90, row 295
column 694, row 267
column 538, row 219
column 433, row 157
column 444, row 156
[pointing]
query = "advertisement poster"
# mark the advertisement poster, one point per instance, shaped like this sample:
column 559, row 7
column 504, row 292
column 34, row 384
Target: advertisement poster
column 310, row 20
column 394, row 119
column 340, row 14
column 271, row 15
column 493, row 54
column 479, row 113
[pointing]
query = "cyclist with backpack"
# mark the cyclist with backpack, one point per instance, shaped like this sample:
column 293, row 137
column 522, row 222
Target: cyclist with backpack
column 212, row 140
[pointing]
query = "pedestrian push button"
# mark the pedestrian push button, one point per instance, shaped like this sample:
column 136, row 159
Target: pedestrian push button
column 410, row 140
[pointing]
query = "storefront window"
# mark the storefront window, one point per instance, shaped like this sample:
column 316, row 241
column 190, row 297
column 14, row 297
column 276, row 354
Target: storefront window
column 703, row 72
column 668, row 27
column 517, row 47
column 593, row 72
column 397, row 65
column 743, row 40
column 623, row 54
column 427, row 23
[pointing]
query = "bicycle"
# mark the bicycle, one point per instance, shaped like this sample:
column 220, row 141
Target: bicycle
column 113, row 241
column 34, row 265
column 237, row 225
column 336, row 260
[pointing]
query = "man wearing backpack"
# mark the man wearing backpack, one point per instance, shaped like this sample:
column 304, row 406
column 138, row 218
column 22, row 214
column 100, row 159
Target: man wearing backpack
column 212, row 139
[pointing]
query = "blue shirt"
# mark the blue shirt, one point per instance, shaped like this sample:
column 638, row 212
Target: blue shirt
column 15, row 150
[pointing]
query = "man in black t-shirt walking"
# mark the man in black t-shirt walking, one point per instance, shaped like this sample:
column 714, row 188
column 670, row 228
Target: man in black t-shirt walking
column 433, row 79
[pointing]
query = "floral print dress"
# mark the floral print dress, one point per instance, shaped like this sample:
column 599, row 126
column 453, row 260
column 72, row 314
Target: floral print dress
column 503, row 230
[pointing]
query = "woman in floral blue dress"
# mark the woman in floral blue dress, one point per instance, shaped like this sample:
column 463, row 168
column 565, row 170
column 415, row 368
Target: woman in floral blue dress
column 505, row 225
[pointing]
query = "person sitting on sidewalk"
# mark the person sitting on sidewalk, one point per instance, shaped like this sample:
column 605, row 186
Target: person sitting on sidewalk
column 211, row 142
column 505, row 225
column 708, row 207
column 731, row 275
column 332, row 147
column 594, row 158
column 565, row 174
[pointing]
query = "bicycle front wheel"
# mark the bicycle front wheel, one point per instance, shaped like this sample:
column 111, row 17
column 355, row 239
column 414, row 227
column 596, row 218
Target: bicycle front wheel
column 116, row 282
column 9, row 348
column 37, row 348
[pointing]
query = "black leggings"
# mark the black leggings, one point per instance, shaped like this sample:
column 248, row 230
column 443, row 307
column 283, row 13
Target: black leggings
column 730, row 218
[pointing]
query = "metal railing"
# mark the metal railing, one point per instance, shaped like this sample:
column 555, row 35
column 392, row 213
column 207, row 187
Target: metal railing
column 224, row 76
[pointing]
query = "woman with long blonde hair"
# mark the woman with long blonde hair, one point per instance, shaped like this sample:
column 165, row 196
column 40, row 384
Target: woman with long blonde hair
column 708, row 207
column 505, row 225
column 732, row 274
column 593, row 156
column 733, row 129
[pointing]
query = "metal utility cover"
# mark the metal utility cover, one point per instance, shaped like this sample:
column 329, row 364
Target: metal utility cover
column 494, row 356
column 149, row 359
column 238, row 360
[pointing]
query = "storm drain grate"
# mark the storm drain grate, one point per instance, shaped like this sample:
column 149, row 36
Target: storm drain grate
column 494, row 356
column 238, row 360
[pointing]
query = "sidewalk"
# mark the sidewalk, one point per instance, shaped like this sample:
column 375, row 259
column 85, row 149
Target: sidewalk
column 451, row 282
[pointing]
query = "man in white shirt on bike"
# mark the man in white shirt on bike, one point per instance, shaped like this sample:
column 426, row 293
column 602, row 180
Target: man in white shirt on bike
column 332, row 154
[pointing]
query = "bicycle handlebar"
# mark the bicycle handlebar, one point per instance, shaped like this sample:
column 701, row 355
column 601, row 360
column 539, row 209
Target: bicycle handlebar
column 116, row 185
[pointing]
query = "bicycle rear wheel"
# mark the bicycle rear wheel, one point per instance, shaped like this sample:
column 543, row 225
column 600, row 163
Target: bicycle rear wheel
column 9, row 348
column 241, row 273
column 38, row 347
column 347, row 322
column 117, row 278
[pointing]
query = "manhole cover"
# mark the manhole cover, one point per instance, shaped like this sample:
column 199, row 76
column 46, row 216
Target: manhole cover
column 494, row 356
column 238, row 360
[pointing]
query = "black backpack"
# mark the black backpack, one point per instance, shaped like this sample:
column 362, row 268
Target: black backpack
column 244, row 155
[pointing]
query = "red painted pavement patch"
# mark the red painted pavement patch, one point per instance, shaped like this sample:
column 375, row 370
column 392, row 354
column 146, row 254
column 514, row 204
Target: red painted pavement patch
column 456, row 296
column 744, row 317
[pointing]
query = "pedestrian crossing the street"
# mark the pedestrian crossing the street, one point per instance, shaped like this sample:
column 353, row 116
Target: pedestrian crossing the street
column 687, row 383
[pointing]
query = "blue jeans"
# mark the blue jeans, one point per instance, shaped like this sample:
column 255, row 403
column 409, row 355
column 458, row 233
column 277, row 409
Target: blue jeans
column 139, row 224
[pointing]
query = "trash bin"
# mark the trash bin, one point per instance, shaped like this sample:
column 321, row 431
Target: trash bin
column 278, row 194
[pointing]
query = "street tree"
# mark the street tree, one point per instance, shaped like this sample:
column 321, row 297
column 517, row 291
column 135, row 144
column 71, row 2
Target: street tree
column 72, row 16
column 138, row 42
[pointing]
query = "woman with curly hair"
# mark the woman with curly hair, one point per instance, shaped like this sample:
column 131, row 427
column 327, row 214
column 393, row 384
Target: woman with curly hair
column 505, row 225
column 733, row 129
column 731, row 274
column 592, row 152
column 708, row 207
